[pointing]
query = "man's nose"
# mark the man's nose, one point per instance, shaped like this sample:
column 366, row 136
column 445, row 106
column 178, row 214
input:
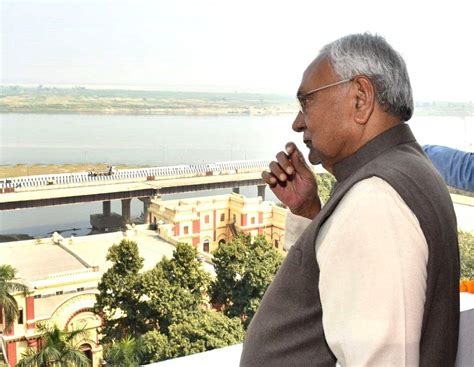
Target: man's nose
column 298, row 125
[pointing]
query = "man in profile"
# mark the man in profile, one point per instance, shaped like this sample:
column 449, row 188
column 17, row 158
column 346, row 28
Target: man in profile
column 373, row 280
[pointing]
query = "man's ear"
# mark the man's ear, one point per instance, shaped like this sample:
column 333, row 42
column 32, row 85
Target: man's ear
column 364, row 99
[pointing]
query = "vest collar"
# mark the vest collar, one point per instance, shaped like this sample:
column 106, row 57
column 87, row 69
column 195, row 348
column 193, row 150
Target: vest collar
column 399, row 134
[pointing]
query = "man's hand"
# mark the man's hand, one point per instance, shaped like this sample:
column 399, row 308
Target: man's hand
column 293, row 182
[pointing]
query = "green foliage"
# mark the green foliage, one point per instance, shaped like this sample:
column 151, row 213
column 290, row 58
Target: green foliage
column 125, row 258
column 198, row 332
column 155, row 347
column 174, row 287
column 8, row 286
column 120, row 292
column 164, row 302
column 125, row 352
column 204, row 330
column 132, row 303
column 57, row 348
column 159, row 314
column 184, row 271
column 466, row 250
column 244, row 269
column 325, row 183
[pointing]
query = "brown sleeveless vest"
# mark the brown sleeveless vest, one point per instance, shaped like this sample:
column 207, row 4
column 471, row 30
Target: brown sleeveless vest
column 287, row 329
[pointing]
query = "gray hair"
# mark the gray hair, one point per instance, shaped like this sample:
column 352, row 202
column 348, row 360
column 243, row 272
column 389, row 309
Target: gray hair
column 372, row 56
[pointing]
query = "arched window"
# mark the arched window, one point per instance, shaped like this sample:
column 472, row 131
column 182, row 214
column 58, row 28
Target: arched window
column 205, row 246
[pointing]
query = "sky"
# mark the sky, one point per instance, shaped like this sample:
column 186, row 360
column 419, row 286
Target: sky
column 244, row 46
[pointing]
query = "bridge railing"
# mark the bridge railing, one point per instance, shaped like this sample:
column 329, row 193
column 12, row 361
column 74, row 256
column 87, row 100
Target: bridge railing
column 127, row 175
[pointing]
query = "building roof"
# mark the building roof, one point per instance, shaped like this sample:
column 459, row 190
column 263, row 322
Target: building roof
column 37, row 260
column 93, row 249
column 34, row 260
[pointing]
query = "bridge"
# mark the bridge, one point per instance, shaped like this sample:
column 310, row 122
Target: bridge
column 70, row 188
column 142, row 183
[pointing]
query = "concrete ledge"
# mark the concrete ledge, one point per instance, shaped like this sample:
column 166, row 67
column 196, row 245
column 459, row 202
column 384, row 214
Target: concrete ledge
column 230, row 356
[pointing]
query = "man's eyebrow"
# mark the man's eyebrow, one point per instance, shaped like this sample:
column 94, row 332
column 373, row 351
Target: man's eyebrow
column 299, row 92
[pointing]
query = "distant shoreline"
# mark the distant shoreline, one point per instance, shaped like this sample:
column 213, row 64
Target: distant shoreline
column 52, row 100
column 16, row 99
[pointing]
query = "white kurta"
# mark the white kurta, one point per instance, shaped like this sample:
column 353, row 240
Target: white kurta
column 372, row 257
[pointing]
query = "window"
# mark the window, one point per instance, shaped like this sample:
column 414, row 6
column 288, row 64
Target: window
column 206, row 219
column 252, row 220
column 186, row 229
column 205, row 246
column 58, row 293
column 20, row 316
column 80, row 289
column 222, row 217
column 37, row 296
column 276, row 243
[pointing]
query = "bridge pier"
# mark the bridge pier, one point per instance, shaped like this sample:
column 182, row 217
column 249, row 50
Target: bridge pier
column 236, row 190
column 106, row 208
column 146, row 207
column 261, row 191
column 126, row 212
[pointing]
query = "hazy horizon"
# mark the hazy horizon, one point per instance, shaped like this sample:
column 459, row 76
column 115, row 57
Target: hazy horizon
column 221, row 46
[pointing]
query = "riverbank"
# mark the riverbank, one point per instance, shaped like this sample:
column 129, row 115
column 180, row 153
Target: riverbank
column 16, row 99
column 81, row 100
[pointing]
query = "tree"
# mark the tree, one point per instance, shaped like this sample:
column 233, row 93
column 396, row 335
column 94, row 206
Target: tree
column 8, row 286
column 133, row 303
column 199, row 331
column 120, row 293
column 159, row 314
column 155, row 347
column 466, row 250
column 174, row 287
column 185, row 271
column 202, row 331
column 163, row 302
column 56, row 348
column 124, row 352
column 244, row 269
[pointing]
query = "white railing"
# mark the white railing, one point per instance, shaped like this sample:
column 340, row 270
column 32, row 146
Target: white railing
column 139, row 174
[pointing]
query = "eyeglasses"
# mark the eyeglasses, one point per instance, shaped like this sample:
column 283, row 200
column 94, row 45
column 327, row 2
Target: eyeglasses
column 303, row 98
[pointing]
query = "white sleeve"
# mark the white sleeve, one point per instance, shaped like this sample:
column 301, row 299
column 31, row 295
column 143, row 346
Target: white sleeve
column 372, row 256
column 294, row 227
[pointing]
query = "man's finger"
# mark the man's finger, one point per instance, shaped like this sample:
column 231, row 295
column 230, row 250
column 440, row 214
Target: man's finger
column 284, row 162
column 297, row 159
column 278, row 171
column 269, row 179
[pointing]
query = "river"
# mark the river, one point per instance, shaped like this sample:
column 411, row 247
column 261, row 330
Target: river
column 159, row 141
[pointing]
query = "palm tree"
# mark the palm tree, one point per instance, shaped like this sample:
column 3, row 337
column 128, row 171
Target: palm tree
column 56, row 348
column 9, row 285
column 125, row 352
